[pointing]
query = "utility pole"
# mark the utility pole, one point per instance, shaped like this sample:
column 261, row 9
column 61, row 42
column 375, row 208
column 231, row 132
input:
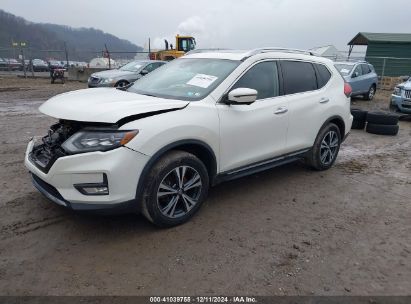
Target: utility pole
column 65, row 51
column 108, row 55
column 149, row 48
column 23, row 44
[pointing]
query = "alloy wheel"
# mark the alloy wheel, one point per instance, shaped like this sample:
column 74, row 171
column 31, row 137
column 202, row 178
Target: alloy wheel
column 329, row 147
column 121, row 84
column 179, row 191
column 371, row 93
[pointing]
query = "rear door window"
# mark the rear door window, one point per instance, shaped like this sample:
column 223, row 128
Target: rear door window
column 262, row 77
column 358, row 70
column 298, row 77
column 365, row 69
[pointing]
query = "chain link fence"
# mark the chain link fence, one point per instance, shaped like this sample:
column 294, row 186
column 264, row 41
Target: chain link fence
column 29, row 61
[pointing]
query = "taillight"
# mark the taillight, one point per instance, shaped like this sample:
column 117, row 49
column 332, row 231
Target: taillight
column 347, row 89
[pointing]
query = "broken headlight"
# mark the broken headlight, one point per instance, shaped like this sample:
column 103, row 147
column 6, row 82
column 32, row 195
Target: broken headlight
column 397, row 91
column 90, row 141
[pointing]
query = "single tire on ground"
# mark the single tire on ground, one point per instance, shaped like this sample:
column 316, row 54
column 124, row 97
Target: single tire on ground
column 175, row 189
column 325, row 150
column 359, row 118
column 382, row 118
column 382, row 129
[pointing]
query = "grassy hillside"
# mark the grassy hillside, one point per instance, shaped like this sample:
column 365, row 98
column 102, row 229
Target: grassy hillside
column 82, row 43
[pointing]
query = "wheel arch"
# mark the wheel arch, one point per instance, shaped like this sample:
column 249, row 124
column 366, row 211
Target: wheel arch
column 338, row 121
column 196, row 147
column 121, row 80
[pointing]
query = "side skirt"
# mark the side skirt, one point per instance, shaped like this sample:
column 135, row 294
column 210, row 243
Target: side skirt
column 260, row 166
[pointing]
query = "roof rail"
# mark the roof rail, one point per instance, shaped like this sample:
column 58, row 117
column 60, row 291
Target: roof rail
column 277, row 49
column 209, row 50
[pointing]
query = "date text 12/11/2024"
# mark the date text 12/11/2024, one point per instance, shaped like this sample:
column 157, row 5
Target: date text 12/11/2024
column 200, row 299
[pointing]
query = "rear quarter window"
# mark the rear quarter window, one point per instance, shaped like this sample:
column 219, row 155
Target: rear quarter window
column 323, row 75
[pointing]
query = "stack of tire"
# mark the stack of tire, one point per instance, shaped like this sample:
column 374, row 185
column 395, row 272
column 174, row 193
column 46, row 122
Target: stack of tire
column 381, row 123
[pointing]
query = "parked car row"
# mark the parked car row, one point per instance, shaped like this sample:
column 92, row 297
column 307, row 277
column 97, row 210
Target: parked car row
column 39, row 65
column 363, row 80
column 10, row 64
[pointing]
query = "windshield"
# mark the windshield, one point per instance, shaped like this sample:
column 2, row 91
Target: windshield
column 133, row 66
column 344, row 69
column 185, row 79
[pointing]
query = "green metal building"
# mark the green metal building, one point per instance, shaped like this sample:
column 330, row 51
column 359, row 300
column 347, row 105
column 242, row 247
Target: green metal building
column 390, row 54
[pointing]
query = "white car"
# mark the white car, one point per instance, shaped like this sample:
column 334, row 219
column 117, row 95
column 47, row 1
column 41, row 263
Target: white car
column 204, row 118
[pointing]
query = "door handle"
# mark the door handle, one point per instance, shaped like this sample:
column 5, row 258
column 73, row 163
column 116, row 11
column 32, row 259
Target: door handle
column 324, row 100
column 281, row 110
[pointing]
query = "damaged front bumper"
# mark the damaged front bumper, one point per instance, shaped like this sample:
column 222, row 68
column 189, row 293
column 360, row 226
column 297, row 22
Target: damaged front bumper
column 404, row 105
column 119, row 169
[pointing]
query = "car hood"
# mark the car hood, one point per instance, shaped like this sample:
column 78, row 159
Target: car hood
column 405, row 85
column 105, row 105
column 113, row 74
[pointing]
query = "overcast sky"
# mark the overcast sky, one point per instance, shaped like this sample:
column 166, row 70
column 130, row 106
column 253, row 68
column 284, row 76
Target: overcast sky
column 241, row 24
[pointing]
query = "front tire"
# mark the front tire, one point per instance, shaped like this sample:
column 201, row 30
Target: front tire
column 175, row 189
column 121, row 84
column 325, row 150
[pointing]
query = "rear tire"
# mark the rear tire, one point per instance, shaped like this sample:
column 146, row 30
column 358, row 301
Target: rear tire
column 175, row 189
column 371, row 93
column 325, row 150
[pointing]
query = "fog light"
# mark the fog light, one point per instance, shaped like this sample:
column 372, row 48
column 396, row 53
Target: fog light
column 94, row 188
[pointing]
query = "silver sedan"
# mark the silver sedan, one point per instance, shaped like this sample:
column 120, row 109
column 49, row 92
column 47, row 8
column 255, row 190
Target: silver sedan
column 125, row 75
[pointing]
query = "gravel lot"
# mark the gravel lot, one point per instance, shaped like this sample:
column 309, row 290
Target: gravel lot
column 288, row 231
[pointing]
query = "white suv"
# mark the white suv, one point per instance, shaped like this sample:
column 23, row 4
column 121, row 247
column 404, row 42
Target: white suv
column 157, row 146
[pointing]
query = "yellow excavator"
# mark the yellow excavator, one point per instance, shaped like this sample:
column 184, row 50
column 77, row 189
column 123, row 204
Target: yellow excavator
column 183, row 45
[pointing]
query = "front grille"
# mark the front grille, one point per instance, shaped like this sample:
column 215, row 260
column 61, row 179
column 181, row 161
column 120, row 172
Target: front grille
column 46, row 152
column 408, row 94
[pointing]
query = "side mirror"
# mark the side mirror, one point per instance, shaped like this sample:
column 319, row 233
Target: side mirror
column 242, row 96
column 144, row 72
column 354, row 75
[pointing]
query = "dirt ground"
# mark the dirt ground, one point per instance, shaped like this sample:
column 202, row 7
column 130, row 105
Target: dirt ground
column 287, row 231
